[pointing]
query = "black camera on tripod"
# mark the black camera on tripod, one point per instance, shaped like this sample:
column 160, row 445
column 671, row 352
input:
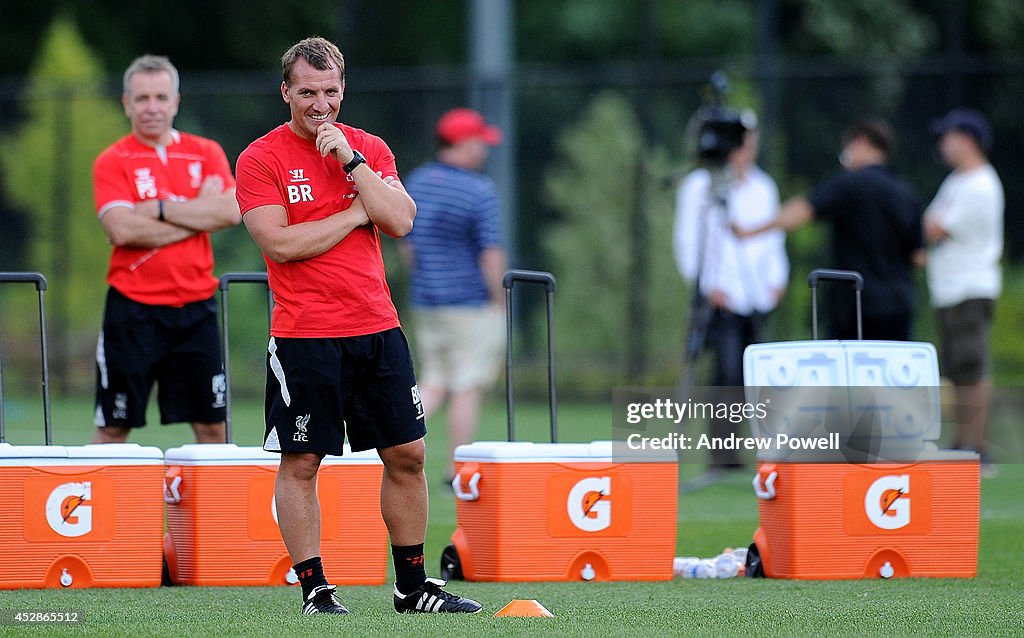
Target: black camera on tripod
column 720, row 129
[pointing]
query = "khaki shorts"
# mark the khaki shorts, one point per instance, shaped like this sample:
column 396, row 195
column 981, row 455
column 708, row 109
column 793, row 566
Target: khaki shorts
column 459, row 347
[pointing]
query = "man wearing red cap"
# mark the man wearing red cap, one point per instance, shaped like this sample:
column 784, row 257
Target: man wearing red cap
column 457, row 260
column 964, row 229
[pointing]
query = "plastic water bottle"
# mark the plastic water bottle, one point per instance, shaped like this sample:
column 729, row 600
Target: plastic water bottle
column 730, row 563
column 741, row 555
column 726, row 565
column 683, row 566
column 705, row 569
column 698, row 568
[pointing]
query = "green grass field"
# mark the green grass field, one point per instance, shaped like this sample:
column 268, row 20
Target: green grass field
column 722, row 515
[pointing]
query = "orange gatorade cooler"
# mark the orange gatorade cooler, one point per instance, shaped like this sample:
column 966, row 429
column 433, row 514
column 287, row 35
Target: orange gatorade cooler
column 883, row 500
column 837, row 520
column 82, row 516
column 222, row 520
column 563, row 511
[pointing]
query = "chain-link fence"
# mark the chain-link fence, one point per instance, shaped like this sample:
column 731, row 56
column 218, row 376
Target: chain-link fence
column 804, row 105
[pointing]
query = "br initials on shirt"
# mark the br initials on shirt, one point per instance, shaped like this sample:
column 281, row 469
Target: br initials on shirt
column 300, row 193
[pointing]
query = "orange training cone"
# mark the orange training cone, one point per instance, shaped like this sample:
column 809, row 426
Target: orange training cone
column 524, row 609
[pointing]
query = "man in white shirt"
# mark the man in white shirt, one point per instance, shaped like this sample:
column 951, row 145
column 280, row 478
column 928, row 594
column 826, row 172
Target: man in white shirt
column 964, row 229
column 741, row 280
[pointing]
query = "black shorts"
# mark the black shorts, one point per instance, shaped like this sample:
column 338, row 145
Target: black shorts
column 964, row 332
column 320, row 389
column 178, row 348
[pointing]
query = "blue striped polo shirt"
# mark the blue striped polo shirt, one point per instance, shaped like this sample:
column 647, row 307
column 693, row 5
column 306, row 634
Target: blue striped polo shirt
column 457, row 217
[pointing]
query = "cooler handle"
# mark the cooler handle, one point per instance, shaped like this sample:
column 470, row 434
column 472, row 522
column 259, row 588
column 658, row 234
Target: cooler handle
column 547, row 280
column 767, row 492
column 474, row 490
column 40, row 283
column 827, row 274
column 172, row 487
column 226, row 280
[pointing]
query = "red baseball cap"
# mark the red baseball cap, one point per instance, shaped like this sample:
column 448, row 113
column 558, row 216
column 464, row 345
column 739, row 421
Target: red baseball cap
column 458, row 125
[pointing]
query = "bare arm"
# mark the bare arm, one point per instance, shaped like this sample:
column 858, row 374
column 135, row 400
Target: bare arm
column 212, row 209
column 795, row 213
column 282, row 242
column 934, row 233
column 387, row 204
column 494, row 263
column 127, row 228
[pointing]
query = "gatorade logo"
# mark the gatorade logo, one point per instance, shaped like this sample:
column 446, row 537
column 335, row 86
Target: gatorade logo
column 581, row 505
column 69, row 509
column 589, row 504
column 887, row 502
column 876, row 503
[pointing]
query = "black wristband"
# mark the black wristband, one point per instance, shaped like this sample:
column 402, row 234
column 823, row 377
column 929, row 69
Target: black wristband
column 357, row 159
column 160, row 207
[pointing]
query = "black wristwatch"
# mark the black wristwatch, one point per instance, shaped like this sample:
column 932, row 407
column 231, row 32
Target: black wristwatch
column 357, row 159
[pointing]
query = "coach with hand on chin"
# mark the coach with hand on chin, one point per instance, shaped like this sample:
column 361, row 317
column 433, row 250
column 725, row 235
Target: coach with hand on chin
column 314, row 194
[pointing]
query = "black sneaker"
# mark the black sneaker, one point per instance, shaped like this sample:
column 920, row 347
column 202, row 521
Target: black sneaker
column 322, row 601
column 431, row 599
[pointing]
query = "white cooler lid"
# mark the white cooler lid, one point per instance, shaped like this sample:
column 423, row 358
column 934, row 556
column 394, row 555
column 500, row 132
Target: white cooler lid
column 527, row 452
column 233, row 454
column 366, row 457
column 17, row 454
column 92, row 454
column 117, row 453
column 219, row 454
column 949, row 455
column 794, row 363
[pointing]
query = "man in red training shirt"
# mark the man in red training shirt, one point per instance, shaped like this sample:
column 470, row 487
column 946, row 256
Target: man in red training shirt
column 159, row 194
column 314, row 194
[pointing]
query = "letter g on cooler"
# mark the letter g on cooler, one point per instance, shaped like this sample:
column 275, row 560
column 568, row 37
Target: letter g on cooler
column 588, row 504
column 69, row 509
column 887, row 502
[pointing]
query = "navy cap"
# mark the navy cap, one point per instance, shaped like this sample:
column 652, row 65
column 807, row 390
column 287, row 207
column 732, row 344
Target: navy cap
column 967, row 121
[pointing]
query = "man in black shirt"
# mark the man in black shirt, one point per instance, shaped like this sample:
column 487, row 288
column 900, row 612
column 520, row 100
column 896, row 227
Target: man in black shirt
column 876, row 230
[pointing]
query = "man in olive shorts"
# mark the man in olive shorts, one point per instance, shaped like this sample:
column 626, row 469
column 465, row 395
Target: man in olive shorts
column 964, row 229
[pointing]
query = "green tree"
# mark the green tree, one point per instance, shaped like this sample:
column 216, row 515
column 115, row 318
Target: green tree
column 47, row 164
column 590, row 254
column 886, row 33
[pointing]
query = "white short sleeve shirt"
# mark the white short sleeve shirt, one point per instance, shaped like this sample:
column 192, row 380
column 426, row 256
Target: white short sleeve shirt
column 969, row 206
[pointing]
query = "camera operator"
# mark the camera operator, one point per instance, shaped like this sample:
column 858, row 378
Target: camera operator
column 738, row 280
